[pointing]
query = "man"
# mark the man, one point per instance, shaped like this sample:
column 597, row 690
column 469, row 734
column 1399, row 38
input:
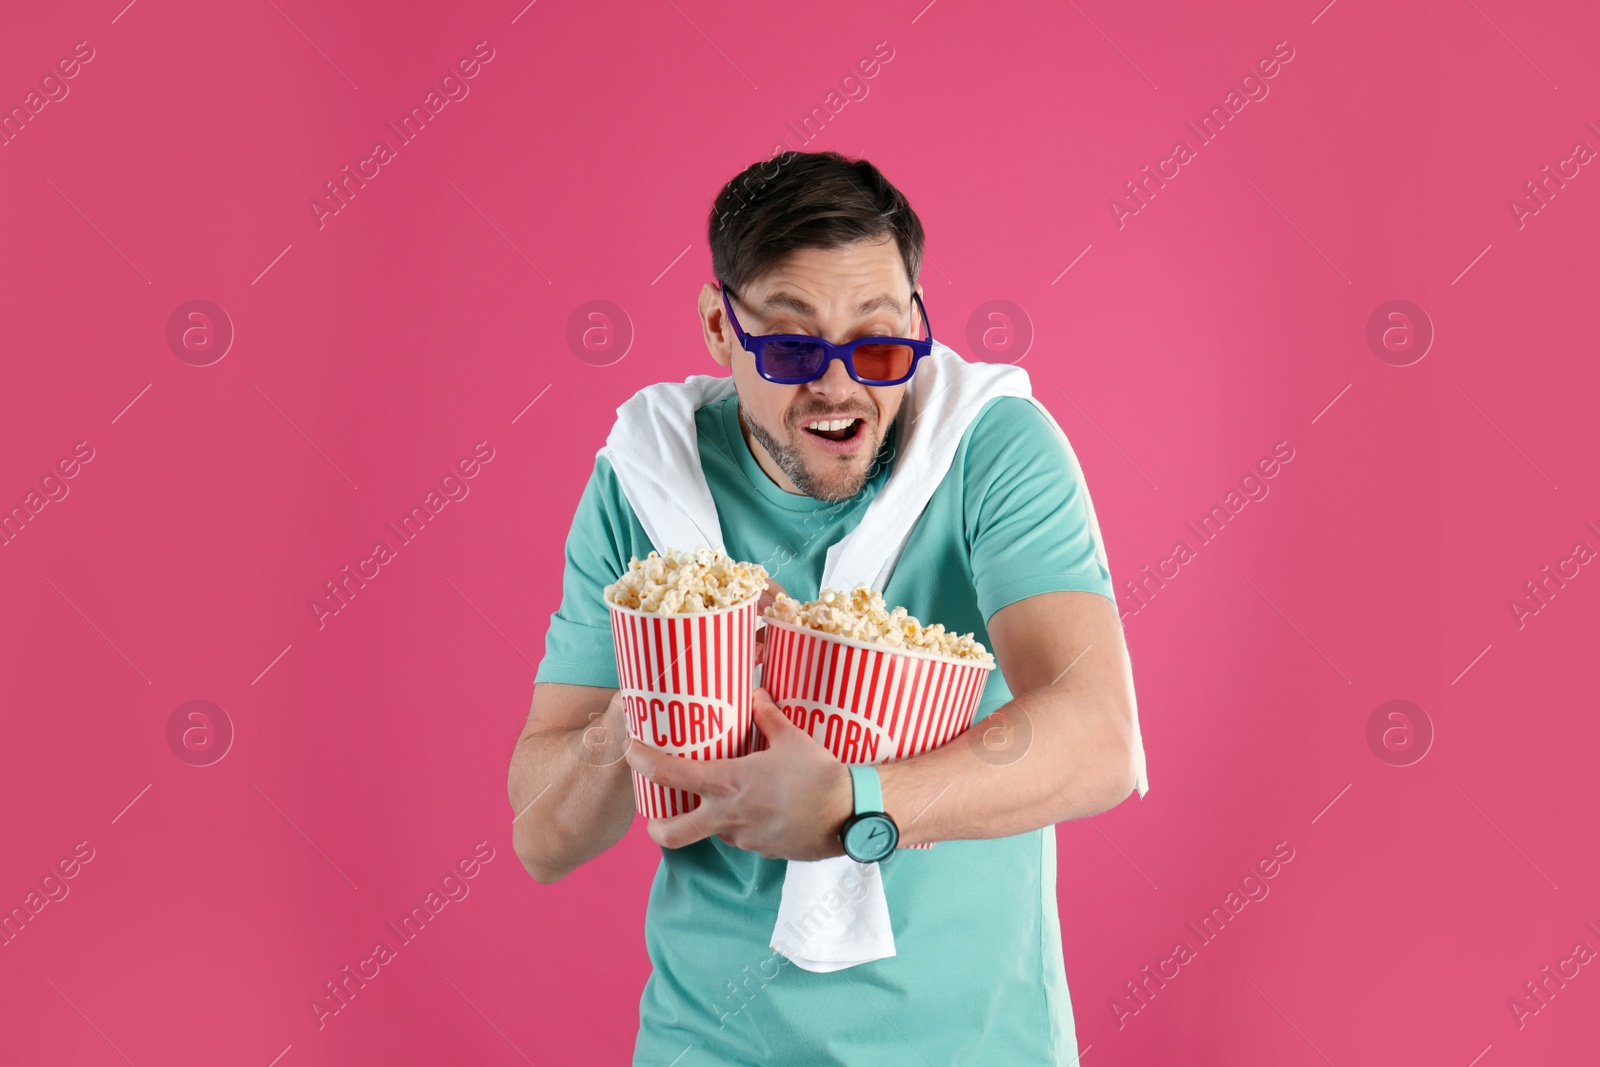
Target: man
column 1007, row 547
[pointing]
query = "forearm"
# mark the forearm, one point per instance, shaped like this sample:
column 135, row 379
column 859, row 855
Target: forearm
column 1065, row 757
column 570, row 802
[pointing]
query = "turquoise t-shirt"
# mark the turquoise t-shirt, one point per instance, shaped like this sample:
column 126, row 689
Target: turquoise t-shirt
column 978, row 977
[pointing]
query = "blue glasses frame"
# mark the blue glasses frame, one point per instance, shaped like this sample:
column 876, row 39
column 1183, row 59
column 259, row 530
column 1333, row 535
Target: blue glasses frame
column 754, row 344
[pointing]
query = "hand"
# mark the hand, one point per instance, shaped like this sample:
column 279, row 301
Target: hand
column 787, row 802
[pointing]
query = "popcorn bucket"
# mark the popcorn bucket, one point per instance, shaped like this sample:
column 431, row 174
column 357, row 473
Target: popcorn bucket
column 686, row 679
column 866, row 702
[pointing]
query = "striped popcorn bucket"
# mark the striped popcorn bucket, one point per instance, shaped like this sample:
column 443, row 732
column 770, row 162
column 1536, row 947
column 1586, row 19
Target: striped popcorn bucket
column 686, row 680
column 867, row 703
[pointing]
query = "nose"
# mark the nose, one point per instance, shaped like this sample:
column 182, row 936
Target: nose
column 835, row 383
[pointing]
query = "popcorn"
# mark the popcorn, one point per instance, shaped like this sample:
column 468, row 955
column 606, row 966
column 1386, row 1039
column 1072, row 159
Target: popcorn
column 858, row 614
column 703, row 580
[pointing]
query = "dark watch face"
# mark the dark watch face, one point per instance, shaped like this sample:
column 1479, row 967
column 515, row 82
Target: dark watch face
column 870, row 838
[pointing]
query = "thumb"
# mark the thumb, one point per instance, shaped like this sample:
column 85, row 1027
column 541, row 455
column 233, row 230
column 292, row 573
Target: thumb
column 771, row 720
column 769, row 594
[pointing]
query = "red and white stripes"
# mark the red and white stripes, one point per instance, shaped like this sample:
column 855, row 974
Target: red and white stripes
column 869, row 704
column 686, row 681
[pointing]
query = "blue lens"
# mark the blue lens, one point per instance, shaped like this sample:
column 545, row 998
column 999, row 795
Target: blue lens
column 792, row 359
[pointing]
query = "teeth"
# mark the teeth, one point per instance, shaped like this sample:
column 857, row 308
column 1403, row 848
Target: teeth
column 830, row 424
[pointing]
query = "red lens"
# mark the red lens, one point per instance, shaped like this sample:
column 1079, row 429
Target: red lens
column 883, row 363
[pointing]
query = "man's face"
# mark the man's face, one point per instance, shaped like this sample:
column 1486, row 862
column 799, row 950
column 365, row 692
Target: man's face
column 839, row 295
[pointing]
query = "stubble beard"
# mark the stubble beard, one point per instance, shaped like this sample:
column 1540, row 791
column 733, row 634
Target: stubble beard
column 833, row 489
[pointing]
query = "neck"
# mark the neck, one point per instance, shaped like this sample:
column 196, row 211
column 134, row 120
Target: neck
column 765, row 461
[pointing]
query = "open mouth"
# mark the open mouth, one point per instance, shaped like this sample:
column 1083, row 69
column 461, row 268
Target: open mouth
column 835, row 429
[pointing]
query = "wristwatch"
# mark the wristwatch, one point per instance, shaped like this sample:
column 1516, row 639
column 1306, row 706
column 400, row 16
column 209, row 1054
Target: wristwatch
column 870, row 834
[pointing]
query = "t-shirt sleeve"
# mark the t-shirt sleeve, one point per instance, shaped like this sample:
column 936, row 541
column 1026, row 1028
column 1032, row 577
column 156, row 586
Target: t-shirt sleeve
column 1031, row 526
column 578, row 648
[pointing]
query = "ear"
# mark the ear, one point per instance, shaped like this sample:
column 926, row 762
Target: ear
column 714, row 324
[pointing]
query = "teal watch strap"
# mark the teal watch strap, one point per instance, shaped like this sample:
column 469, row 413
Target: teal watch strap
column 870, row 835
column 868, row 788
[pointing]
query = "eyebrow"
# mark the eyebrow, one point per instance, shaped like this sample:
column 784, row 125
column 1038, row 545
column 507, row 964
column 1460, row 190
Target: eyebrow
column 782, row 301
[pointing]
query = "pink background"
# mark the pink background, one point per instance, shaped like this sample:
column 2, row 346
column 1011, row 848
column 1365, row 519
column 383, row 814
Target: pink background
column 372, row 353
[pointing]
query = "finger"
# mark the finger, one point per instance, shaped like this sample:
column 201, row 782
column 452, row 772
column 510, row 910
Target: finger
column 769, row 594
column 771, row 720
column 680, row 830
column 675, row 772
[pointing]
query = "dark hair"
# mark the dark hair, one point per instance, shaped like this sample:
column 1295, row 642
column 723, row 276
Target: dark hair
column 806, row 200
